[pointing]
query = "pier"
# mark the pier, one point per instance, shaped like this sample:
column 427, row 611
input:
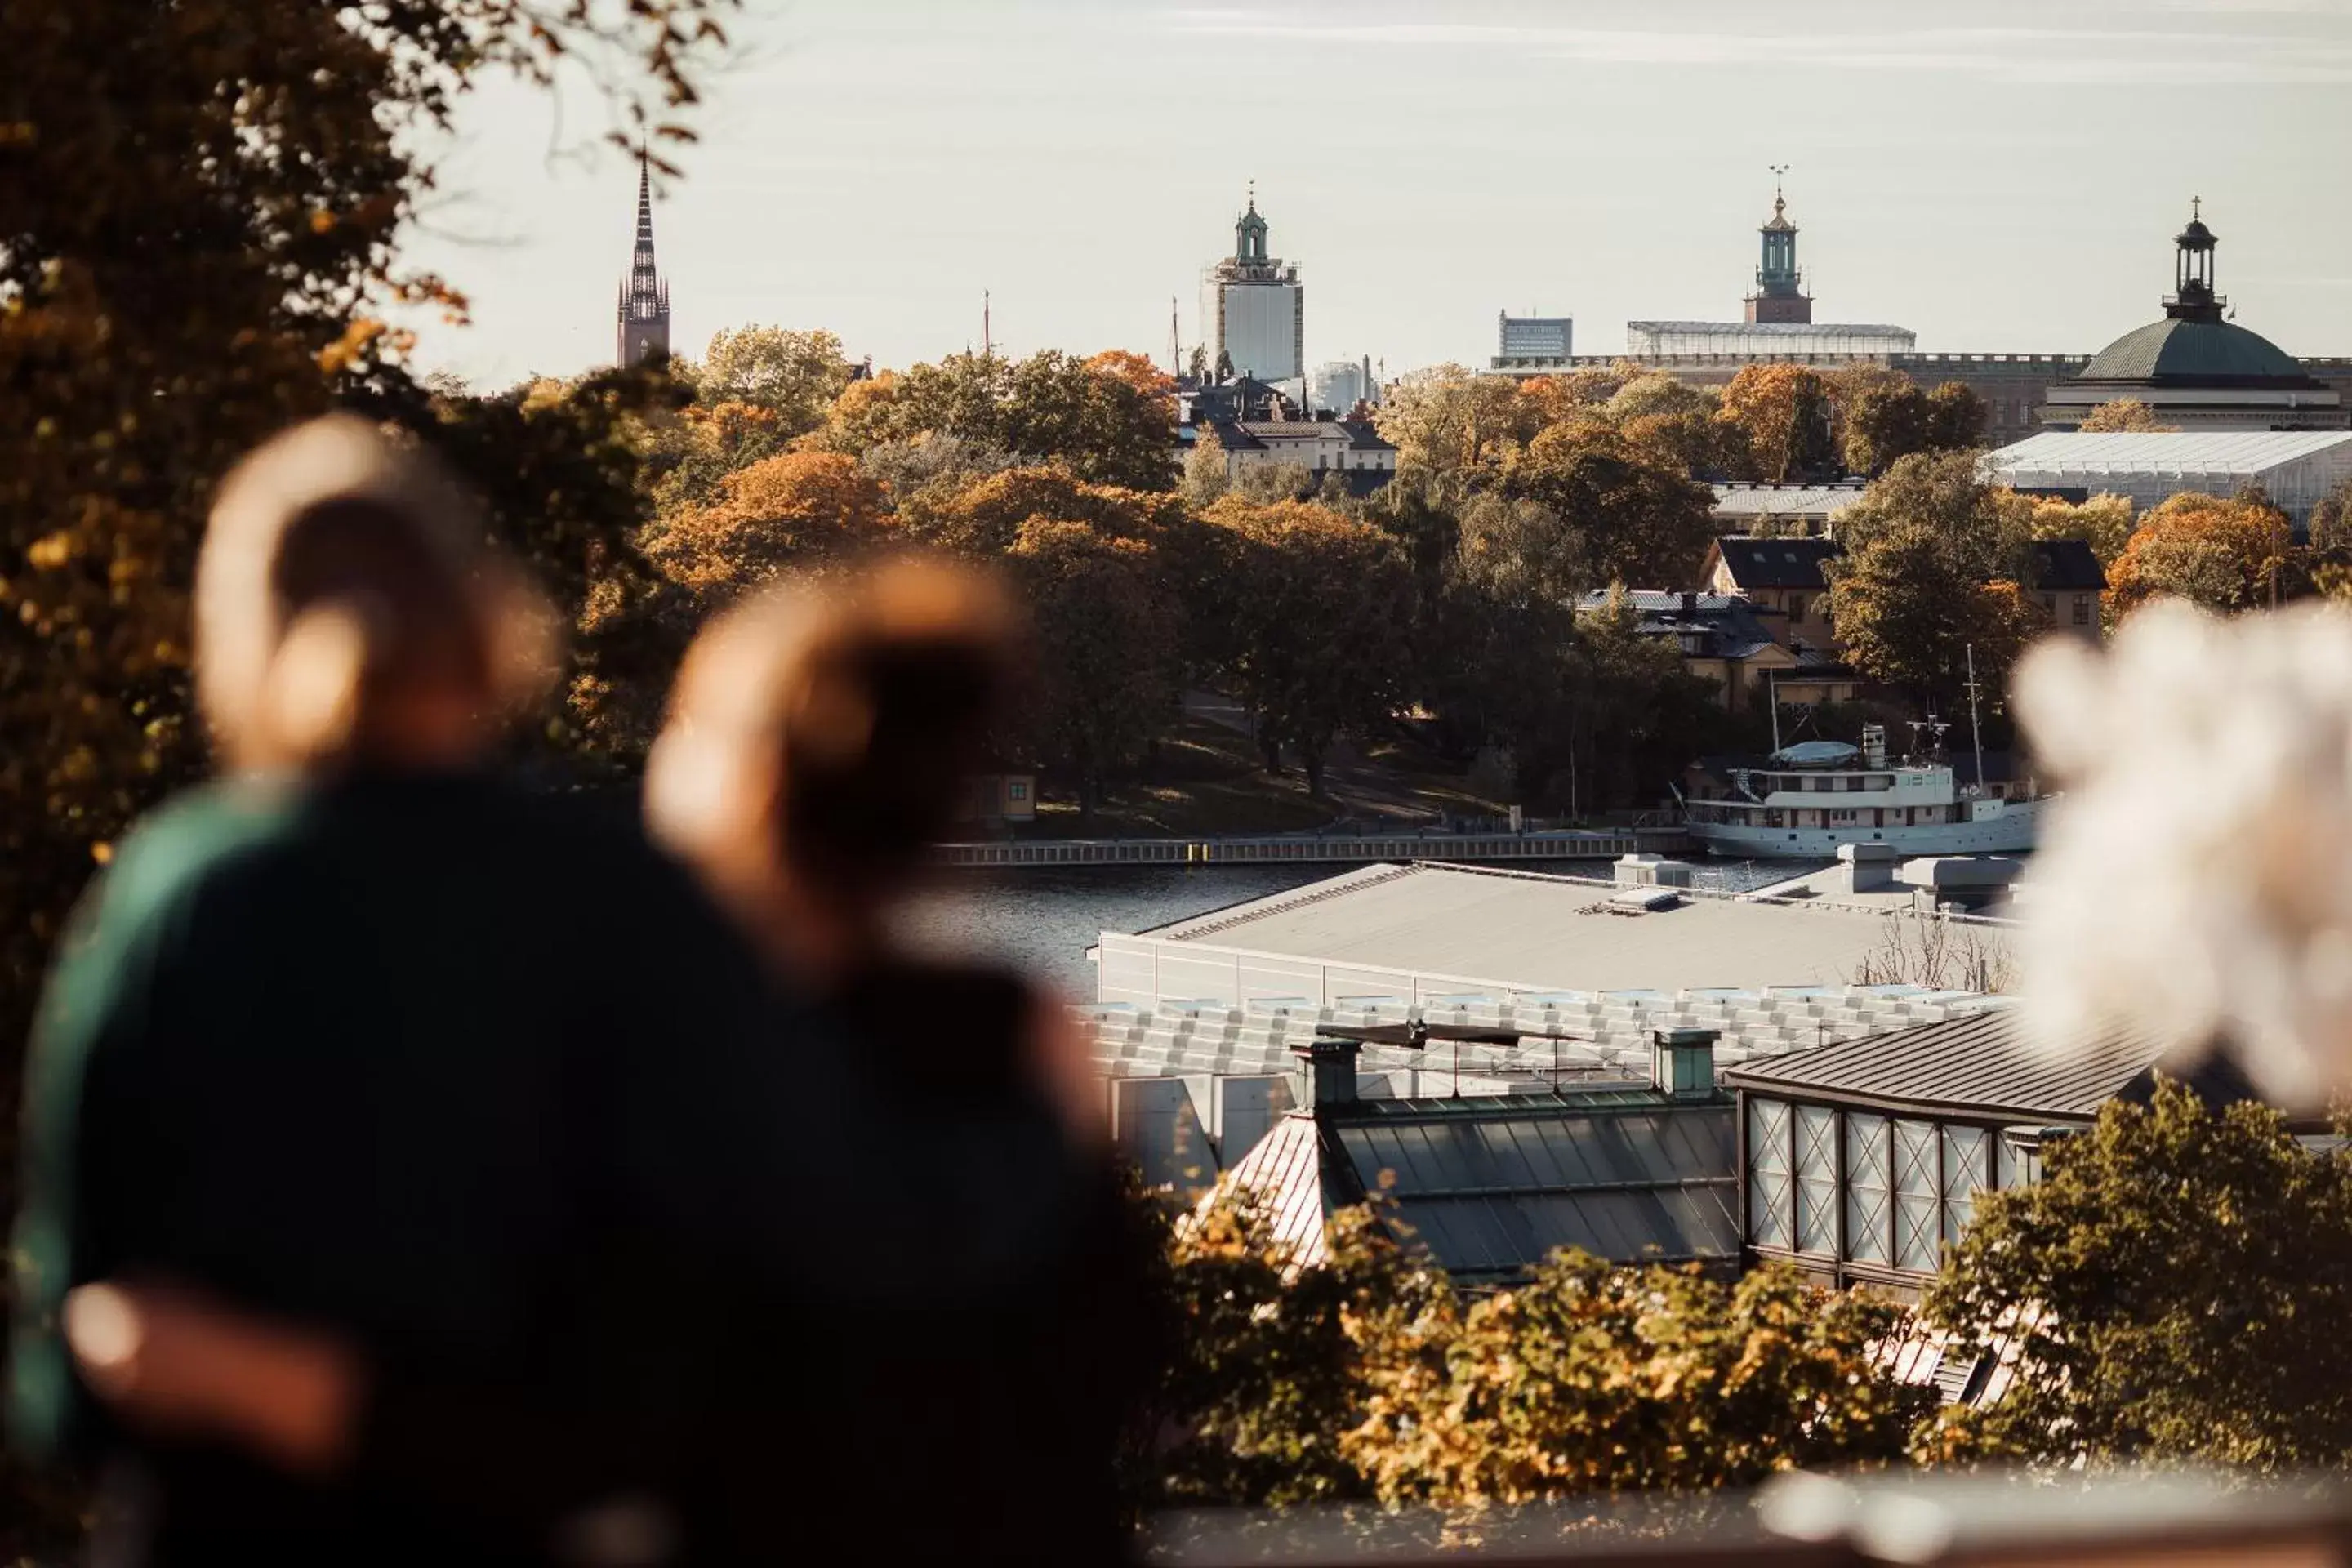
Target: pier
column 1309, row 849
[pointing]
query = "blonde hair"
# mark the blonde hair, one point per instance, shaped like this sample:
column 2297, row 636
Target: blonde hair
column 831, row 729
column 341, row 569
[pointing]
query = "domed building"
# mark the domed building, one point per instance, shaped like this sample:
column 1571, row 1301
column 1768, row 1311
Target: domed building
column 2197, row 368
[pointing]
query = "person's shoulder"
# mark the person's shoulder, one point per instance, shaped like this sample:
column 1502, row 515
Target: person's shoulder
column 197, row 837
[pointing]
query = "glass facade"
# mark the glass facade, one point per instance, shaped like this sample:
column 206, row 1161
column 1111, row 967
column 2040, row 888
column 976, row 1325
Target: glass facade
column 1854, row 1187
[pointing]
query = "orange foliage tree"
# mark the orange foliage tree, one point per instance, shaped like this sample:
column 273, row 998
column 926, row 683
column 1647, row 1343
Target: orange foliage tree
column 1783, row 412
column 2222, row 555
column 794, row 512
column 984, row 517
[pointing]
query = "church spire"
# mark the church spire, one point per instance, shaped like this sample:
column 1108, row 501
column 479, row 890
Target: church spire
column 644, row 295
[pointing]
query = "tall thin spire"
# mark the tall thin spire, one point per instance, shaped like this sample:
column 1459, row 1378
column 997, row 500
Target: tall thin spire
column 987, row 326
column 645, row 294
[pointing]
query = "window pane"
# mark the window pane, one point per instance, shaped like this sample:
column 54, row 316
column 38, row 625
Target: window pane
column 1868, row 1216
column 1770, row 1220
column 1816, row 1179
column 1916, row 1201
column 1964, row 1173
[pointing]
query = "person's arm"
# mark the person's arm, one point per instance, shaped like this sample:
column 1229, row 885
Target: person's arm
column 94, row 1002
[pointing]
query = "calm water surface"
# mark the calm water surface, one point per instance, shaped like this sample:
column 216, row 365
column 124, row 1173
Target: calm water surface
column 1045, row 918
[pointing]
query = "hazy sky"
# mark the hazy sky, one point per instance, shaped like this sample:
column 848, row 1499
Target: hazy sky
column 2001, row 175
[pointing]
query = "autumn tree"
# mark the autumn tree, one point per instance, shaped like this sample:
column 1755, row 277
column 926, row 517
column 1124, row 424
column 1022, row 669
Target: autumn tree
column 2175, row 1287
column 1451, row 427
column 2104, row 522
column 984, row 517
column 1594, row 1378
column 1638, row 523
column 1207, row 471
column 1884, row 417
column 2222, row 555
column 1911, row 604
column 1956, row 417
column 1107, row 646
column 1100, row 418
column 796, row 511
column 1782, row 412
column 2123, row 415
column 1317, row 609
column 1946, row 494
column 793, row 376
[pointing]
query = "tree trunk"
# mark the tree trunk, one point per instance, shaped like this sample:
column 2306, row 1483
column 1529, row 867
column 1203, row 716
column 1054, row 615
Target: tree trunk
column 1271, row 750
column 1310, row 758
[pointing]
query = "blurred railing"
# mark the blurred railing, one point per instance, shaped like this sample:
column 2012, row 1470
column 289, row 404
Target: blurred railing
column 1806, row 1521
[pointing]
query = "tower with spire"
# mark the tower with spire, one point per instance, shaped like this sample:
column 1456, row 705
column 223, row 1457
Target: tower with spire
column 645, row 294
column 1780, row 287
column 1254, row 308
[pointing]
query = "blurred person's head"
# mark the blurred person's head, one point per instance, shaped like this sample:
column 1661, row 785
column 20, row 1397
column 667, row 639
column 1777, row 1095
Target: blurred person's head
column 821, row 738
column 349, row 611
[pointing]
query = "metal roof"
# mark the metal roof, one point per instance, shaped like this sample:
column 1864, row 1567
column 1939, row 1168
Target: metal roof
column 1539, row 934
column 1493, row 1185
column 1775, row 329
column 1979, row 1065
column 2068, row 566
column 1777, row 562
column 2177, row 352
column 2189, row 454
column 1784, row 501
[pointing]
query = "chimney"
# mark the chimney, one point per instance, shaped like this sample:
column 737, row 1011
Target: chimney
column 1690, row 607
column 1684, row 1062
column 1330, row 1072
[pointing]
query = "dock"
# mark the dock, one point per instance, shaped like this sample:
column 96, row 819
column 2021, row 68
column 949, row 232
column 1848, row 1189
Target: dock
column 1310, row 849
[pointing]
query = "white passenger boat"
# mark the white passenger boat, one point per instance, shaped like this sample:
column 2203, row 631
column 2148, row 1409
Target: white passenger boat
column 1817, row 796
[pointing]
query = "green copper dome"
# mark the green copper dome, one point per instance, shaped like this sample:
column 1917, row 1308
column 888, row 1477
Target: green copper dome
column 2174, row 352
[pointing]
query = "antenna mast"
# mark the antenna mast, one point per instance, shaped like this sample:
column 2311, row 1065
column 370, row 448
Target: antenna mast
column 1976, row 731
column 1175, row 341
column 987, row 326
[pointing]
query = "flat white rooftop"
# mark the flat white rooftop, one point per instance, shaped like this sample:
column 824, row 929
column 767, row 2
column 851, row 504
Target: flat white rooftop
column 1413, row 929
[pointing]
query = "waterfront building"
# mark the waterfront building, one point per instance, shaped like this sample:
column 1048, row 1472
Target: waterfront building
column 1786, row 581
column 644, row 313
column 2195, row 368
column 1745, row 647
column 1254, row 309
column 2296, row 469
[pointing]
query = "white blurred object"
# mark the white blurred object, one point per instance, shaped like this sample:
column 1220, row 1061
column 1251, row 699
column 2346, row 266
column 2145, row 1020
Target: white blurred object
column 2195, row 879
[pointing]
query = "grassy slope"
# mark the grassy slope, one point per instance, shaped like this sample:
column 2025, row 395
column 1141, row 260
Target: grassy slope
column 1209, row 780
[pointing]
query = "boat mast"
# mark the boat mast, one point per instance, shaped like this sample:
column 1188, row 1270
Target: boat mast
column 1772, row 700
column 1976, row 731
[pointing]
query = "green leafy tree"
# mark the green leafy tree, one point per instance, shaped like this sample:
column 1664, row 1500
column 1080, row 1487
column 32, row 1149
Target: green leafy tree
column 2104, row 522
column 1318, row 609
column 1945, row 494
column 1107, row 646
column 1956, row 417
column 1639, row 523
column 1910, row 604
column 794, row 376
column 2176, row 1286
column 1207, row 471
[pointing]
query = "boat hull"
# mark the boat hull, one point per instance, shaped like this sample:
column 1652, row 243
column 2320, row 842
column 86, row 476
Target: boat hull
column 2010, row 832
